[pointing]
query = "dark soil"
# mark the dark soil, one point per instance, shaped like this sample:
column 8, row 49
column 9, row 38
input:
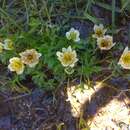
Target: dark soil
column 43, row 110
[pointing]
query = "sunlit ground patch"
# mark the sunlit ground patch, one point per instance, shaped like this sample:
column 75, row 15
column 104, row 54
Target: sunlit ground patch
column 77, row 96
column 113, row 116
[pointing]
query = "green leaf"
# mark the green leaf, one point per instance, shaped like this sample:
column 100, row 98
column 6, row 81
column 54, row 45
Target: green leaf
column 106, row 6
column 125, row 5
column 92, row 18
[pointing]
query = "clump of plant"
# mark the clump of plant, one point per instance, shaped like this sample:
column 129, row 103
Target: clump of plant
column 48, row 58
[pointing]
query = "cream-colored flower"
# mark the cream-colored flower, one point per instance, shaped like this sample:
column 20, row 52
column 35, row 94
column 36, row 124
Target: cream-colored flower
column 1, row 47
column 30, row 57
column 16, row 65
column 99, row 31
column 67, row 57
column 73, row 34
column 105, row 43
column 8, row 44
column 125, row 59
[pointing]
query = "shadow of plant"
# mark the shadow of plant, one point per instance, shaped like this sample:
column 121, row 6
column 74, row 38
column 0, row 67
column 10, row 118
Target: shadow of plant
column 113, row 89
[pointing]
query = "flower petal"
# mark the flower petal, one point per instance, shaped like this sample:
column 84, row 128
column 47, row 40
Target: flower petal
column 59, row 54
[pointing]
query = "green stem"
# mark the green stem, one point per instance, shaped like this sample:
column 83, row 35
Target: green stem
column 68, row 82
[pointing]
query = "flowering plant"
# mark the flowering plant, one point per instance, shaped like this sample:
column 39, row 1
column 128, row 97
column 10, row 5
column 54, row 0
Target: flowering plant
column 48, row 58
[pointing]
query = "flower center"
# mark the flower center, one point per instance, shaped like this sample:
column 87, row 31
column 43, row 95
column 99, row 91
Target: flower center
column 99, row 32
column 126, row 58
column 30, row 57
column 73, row 35
column 10, row 45
column 67, row 57
column 104, row 43
column 17, row 65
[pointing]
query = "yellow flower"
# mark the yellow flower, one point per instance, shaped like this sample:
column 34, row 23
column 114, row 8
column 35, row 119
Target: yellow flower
column 99, row 31
column 105, row 43
column 73, row 34
column 125, row 59
column 67, row 57
column 16, row 65
column 1, row 47
column 30, row 57
column 8, row 44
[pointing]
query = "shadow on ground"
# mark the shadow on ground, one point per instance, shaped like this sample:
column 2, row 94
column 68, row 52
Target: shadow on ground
column 43, row 111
